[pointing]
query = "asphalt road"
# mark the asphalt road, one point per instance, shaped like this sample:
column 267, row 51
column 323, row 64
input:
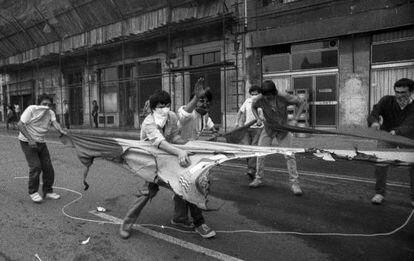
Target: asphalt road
column 333, row 220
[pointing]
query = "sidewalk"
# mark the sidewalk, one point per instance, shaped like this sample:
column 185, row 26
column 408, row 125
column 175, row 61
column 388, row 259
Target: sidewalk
column 313, row 141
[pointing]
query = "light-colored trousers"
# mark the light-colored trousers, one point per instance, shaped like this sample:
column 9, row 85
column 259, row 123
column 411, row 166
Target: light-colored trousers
column 266, row 140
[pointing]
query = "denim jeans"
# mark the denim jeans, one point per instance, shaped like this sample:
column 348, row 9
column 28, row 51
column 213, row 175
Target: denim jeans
column 266, row 140
column 181, row 208
column 381, row 179
column 143, row 196
column 251, row 138
column 39, row 161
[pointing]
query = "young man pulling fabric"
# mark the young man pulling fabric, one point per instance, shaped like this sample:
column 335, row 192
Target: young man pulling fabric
column 274, row 106
column 160, row 128
column 34, row 123
column 395, row 114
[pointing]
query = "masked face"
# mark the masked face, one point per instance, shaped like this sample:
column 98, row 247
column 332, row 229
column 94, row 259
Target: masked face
column 403, row 96
column 161, row 115
column 269, row 98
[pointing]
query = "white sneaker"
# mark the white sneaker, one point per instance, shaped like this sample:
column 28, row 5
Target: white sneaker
column 256, row 183
column 52, row 195
column 36, row 198
column 377, row 199
column 296, row 190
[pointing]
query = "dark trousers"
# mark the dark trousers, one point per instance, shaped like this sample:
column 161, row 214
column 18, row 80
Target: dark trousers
column 67, row 124
column 181, row 208
column 39, row 161
column 381, row 180
column 95, row 120
column 150, row 190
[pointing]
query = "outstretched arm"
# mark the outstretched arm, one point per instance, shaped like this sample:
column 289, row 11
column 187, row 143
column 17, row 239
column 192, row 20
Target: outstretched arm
column 182, row 155
column 198, row 92
column 58, row 127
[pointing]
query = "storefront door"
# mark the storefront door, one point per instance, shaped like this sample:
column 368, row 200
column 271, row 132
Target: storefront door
column 322, row 93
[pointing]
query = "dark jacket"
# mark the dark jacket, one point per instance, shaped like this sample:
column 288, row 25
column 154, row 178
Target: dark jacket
column 401, row 121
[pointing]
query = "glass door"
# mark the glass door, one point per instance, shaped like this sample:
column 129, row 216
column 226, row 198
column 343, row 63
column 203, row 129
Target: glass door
column 323, row 98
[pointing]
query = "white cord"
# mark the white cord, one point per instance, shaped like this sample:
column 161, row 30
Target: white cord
column 231, row 231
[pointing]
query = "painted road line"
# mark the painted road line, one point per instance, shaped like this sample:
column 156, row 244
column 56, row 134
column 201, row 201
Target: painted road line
column 170, row 239
column 322, row 175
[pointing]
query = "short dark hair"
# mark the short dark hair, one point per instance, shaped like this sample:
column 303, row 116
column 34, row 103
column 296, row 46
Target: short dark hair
column 159, row 96
column 255, row 88
column 207, row 94
column 42, row 97
column 404, row 82
column 269, row 88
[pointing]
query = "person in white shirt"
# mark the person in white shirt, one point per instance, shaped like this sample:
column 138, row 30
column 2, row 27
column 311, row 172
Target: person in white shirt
column 34, row 123
column 251, row 137
column 193, row 117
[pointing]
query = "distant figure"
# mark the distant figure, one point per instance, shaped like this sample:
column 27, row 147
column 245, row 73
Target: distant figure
column 95, row 110
column 66, row 114
column 395, row 114
column 17, row 112
column 11, row 117
column 245, row 116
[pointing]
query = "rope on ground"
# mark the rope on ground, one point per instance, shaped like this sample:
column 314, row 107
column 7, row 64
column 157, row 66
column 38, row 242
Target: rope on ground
column 80, row 196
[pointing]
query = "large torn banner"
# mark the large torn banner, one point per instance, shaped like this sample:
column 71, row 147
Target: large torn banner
column 192, row 183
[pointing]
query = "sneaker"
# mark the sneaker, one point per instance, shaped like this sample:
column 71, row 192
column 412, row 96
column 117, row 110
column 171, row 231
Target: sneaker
column 124, row 231
column 52, row 195
column 36, row 198
column 377, row 199
column 187, row 224
column 251, row 176
column 205, row 231
column 256, row 183
column 296, row 190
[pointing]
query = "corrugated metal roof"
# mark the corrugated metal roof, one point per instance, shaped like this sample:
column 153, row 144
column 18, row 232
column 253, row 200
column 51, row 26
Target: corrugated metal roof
column 30, row 29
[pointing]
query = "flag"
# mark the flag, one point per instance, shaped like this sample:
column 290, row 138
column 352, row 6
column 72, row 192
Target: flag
column 192, row 183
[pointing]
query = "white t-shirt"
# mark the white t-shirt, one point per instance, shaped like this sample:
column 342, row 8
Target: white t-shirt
column 192, row 124
column 38, row 120
column 246, row 108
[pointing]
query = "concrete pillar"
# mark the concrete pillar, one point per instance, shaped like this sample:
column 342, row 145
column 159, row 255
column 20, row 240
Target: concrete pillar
column 354, row 75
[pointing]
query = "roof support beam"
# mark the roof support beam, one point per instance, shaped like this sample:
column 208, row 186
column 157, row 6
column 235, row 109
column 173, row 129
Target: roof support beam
column 21, row 29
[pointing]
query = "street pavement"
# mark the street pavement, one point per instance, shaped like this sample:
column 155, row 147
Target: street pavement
column 333, row 220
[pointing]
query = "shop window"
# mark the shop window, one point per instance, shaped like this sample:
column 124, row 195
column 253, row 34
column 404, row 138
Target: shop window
column 152, row 67
column 314, row 55
column 109, row 89
column 149, row 81
column 276, row 63
column 393, row 51
column 314, row 60
column 205, row 58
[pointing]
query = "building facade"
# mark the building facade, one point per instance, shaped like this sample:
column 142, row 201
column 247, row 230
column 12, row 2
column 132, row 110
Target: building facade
column 132, row 49
column 345, row 54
